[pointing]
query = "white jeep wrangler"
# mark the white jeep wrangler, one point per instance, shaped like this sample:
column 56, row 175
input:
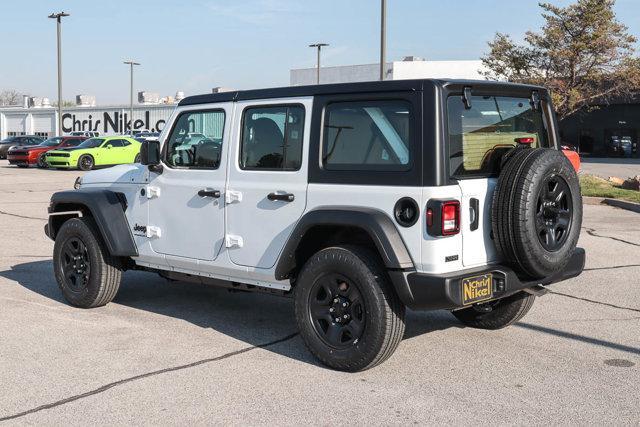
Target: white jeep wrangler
column 359, row 200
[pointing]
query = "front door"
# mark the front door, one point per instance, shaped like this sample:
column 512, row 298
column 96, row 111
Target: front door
column 267, row 188
column 186, row 206
column 114, row 152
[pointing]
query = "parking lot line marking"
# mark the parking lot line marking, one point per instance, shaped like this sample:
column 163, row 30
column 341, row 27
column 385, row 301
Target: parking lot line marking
column 592, row 232
column 576, row 337
column 612, row 267
column 146, row 375
column 22, row 216
column 594, row 301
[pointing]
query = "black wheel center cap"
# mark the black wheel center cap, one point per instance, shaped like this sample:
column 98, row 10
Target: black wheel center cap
column 340, row 310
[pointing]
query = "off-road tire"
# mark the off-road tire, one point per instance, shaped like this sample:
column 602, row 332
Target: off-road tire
column 504, row 312
column 86, row 166
column 383, row 311
column 515, row 209
column 104, row 274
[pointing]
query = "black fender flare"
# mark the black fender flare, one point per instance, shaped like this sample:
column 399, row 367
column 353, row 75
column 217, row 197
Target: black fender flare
column 378, row 225
column 107, row 208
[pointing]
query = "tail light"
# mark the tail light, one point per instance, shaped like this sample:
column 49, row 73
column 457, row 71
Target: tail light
column 526, row 140
column 443, row 217
column 450, row 218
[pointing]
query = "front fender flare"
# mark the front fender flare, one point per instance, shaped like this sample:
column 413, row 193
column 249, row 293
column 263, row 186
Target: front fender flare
column 107, row 208
column 376, row 223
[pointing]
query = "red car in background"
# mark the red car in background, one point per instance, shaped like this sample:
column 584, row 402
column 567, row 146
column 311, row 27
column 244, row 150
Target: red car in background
column 25, row 156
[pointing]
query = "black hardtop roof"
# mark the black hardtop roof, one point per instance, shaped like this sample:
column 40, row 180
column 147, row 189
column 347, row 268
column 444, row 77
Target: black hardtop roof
column 359, row 87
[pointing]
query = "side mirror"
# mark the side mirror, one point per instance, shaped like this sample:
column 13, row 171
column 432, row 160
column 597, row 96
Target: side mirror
column 150, row 153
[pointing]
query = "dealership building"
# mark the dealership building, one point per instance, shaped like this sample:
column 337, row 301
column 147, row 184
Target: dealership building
column 37, row 117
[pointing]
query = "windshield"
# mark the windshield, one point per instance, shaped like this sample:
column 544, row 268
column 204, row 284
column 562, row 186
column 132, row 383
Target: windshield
column 8, row 140
column 91, row 143
column 481, row 135
column 51, row 142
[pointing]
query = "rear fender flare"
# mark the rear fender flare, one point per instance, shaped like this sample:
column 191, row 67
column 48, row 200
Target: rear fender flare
column 377, row 224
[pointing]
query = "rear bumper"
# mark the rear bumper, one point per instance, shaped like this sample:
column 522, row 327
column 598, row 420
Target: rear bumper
column 434, row 292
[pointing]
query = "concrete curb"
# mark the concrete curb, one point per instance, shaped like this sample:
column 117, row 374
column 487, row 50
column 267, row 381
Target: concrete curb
column 621, row 204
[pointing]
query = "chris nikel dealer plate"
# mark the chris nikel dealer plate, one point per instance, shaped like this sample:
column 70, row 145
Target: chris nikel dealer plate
column 477, row 288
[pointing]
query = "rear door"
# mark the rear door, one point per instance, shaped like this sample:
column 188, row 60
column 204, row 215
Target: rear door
column 478, row 138
column 267, row 187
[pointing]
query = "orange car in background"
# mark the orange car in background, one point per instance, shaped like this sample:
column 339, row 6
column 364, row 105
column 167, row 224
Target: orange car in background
column 24, row 156
column 572, row 155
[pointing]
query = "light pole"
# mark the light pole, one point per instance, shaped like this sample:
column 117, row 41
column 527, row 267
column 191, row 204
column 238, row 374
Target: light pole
column 319, row 46
column 131, row 63
column 58, row 17
column 383, row 36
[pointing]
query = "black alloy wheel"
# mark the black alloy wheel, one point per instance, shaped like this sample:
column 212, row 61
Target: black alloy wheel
column 337, row 311
column 553, row 213
column 42, row 161
column 75, row 265
column 85, row 163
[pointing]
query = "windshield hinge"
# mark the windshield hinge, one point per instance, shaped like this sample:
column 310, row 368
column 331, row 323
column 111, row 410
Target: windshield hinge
column 535, row 100
column 466, row 97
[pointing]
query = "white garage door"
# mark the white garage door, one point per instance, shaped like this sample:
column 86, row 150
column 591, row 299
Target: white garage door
column 15, row 124
column 43, row 124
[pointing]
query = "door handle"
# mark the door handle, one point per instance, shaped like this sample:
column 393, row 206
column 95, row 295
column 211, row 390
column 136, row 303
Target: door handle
column 288, row 197
column 209, row 193
column 474, row 210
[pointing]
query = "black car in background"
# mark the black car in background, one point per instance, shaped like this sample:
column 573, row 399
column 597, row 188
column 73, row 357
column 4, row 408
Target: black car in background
column 14, row 141
column 620, row 146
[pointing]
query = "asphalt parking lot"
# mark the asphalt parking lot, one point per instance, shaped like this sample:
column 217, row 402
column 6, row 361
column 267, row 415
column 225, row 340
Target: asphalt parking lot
column 606, row 167
column 173, row 353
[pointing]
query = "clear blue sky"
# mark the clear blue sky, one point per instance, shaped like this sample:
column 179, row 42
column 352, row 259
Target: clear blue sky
column 194, row 45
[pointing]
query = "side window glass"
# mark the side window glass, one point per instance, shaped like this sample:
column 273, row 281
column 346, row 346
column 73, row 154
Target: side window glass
column 196, row 140
column 367, row 135
column 115, row 143
column 272, row 138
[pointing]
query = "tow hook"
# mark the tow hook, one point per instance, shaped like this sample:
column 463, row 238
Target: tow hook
column 537, row 290
column 483, row 308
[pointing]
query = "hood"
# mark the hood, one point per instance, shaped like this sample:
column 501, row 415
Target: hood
column 71, row 149
column 28, row 147
column 121, row 174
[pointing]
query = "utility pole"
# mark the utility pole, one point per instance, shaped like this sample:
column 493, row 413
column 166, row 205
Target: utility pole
column 131, row 63
column 319, row 46
column 383, row 36
column 58, row 17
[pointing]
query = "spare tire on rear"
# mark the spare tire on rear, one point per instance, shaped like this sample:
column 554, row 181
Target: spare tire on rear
column 536, row 211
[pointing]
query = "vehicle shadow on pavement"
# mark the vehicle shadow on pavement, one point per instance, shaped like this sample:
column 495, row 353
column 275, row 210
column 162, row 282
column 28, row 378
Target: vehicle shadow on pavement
column 254, row 318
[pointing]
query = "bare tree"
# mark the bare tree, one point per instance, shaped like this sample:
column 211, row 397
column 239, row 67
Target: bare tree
column 9, row 97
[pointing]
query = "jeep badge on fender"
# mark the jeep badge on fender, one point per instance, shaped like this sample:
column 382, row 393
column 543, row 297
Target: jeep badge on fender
column 340, row 196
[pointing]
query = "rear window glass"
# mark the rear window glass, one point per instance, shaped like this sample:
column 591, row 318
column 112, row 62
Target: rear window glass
column 367, row 135
column 479, row 136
